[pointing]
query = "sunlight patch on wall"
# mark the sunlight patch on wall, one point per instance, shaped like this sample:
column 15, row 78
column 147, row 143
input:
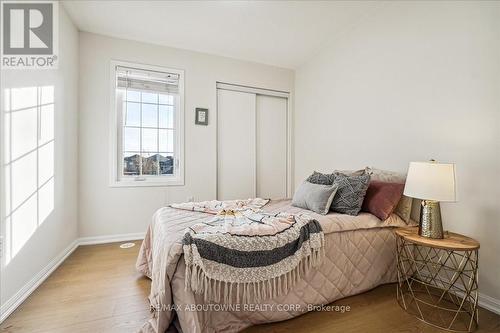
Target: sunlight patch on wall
column 28, row 163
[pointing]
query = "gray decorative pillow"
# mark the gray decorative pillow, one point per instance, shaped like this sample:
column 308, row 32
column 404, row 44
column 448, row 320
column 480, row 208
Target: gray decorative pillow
column 315, row 197
column 351, row 191
column 321, row 178
column 387, row 176
column 366, row 170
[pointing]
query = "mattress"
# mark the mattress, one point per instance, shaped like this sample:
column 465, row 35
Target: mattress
column 359, row 255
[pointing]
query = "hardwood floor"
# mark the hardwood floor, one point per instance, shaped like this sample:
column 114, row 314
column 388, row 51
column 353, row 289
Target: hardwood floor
column 98, row 290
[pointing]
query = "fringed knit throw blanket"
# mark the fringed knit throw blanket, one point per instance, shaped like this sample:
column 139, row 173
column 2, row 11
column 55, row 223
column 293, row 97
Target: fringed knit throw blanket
column 246, row 255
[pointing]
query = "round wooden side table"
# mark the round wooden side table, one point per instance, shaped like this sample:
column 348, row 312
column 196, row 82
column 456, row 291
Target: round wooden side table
column 437, row 279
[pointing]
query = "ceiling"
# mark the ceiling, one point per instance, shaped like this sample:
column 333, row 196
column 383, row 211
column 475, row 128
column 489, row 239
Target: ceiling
column 280, row 33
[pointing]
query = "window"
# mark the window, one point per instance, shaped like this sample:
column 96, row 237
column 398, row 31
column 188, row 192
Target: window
column 148, row 125
column 28, row 163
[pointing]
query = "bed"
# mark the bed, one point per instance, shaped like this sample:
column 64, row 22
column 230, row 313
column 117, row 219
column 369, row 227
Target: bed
column 359, row 255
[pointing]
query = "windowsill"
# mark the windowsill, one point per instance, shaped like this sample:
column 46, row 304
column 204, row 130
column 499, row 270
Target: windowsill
column 147, row 183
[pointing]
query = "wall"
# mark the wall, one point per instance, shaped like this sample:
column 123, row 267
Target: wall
column 417, row 80
column 60, row 228
column 107, row 211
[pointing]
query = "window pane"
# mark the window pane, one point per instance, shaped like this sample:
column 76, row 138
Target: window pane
column 149, row 140
column 24, row 98
column 45, row 201
column 24, row 131
column 150, row 164
column 166, row 140
column 166, row 116
column 166, row 99
column 46, row 123
column 149, row 115
column 45, row 163
column 132, row 115
column 147, row 121
column 24, row 224
column 23, row 179
column 131, row 139
column 149, row 98
column 133, row 96
column 131, row 164
column 47, row 94
column 166, row 164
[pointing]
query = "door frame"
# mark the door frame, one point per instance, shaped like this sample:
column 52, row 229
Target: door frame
column 257, row 91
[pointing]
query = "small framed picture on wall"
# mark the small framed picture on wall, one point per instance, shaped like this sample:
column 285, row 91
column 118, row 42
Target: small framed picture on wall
column 201, row 116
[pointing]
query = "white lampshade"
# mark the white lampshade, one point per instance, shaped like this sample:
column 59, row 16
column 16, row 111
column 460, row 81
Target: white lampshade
column 431, row 181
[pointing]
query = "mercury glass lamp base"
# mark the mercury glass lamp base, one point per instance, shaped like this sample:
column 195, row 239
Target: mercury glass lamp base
column 430, row 220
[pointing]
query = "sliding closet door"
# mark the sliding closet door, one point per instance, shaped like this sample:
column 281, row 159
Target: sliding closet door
column 271, row 149
column 236, row 145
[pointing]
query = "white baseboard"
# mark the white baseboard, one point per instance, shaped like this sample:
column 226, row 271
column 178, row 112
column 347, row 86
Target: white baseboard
column 12, row 303
column 110, row 238
column 489, row 303
column 484, row 301
column 19, row 297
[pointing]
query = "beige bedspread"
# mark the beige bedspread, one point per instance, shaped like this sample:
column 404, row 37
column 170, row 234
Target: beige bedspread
column 360, row 255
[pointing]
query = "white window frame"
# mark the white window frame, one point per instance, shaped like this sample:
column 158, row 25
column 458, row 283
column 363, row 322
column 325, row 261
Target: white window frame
column 116, row 127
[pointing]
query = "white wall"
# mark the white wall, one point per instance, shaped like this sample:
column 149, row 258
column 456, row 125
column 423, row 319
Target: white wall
column 417, row 80
column 59, row 230
column 105, row 210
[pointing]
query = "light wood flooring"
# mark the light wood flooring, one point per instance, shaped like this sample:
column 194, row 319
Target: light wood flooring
column 98, row 290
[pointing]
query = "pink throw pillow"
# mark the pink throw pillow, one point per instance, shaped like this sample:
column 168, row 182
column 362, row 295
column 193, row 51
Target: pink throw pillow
column 382, row 198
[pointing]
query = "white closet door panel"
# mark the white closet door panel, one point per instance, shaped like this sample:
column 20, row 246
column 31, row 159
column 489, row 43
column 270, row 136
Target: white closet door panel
column 236, row 145
column 271, row 147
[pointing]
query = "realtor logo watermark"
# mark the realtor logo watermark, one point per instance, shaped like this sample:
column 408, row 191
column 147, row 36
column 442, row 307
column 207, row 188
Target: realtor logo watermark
column 29, row 34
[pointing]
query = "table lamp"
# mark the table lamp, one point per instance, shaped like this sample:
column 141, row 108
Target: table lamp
column 431, row 182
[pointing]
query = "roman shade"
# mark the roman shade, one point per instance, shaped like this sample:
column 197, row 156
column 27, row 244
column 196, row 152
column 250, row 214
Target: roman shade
column 138, row 79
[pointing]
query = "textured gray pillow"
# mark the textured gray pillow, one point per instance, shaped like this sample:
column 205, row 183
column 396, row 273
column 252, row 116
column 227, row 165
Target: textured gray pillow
column 328, row 178
column 315, row 197
column 355, row 172
column 351, row 191
column 321, row 178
